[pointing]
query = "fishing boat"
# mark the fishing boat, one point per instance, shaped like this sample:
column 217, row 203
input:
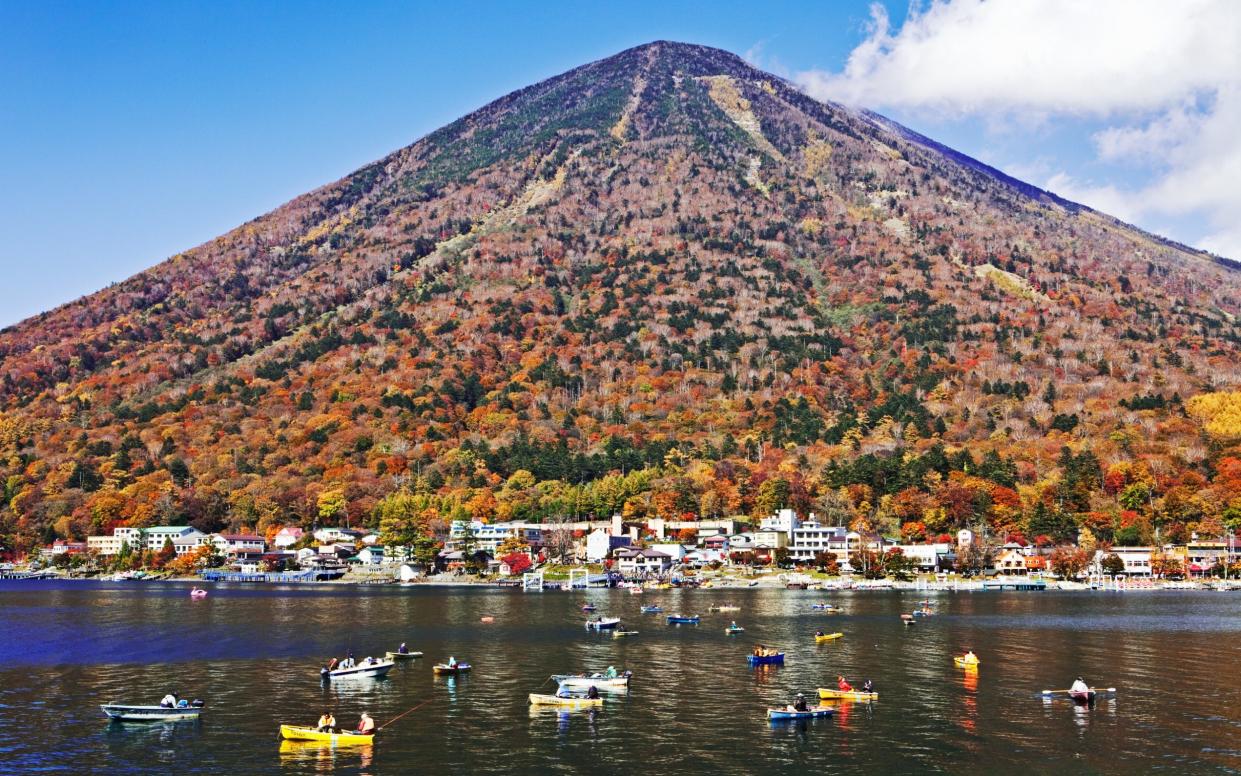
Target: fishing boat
column 620, row 634
column 375, row 669
column 586, row 681
column 570, row 702
column 961, row 662
column 589, row 608
column 300, row 733
column 724, row 608
column 828, row 694
column 444, row 669
column 787, row 713
column 402, row 655
column 823, row 607
column 603, row 623
column 819, row 639
column 683, row 619
column 765, row 657
column 125, row 713
column 733, row 630
column 652, row 609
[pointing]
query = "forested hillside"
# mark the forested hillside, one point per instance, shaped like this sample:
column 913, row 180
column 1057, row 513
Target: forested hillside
column 662, row 283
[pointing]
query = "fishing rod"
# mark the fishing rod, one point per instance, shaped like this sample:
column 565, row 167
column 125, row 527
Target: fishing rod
column 410, row 711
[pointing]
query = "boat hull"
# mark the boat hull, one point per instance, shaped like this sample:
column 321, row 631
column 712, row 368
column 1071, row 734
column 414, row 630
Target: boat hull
column 586, row 682
column 766, row 660
column 780, row 715
column 376, row 669
column 674, row 620
column 123, row 713
column 827, row 637
column 846, row 695
column 961, row 662
column 403, row 655
column 537, row 699
column 298, row 733
column 606, row 623
column 734, row 631
column 446, row 670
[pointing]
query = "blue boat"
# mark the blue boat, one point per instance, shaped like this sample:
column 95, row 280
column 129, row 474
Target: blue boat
column 603, row 623
column 823, row 607
column 767, row 660
column 652, row 609
column 681, row 619
column 780, row 715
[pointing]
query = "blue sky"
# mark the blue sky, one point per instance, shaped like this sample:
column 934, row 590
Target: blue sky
column 132, row 131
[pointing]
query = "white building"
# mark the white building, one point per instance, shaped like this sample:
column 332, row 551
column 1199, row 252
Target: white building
column 784, row 521
column 632, row 560
column 226, row 543
column 371, row 556
column 152, row 538
column 1137, row 560
column 287, row 537
column 332, row 535
column 812, row 537
column 926, row 557
column 489, row 536
column 600, row 544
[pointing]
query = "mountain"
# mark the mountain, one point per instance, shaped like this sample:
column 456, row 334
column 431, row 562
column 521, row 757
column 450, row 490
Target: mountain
column 663, row 282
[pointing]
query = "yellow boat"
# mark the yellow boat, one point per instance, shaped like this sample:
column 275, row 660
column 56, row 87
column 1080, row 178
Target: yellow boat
column 299, row 733
column 961, row 662
column 537, row 699
column 847, row 695
column 827, row 637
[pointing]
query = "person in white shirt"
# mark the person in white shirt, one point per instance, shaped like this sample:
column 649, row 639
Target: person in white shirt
column 1079, row 687
column 169, row 701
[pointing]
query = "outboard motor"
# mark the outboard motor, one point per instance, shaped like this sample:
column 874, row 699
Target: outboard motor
column 197, row 703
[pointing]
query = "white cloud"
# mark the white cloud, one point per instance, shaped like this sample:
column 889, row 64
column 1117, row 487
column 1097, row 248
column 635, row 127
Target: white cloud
column 1167, row 76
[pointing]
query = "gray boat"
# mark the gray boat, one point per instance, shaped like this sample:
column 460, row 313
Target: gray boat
column 125, row 713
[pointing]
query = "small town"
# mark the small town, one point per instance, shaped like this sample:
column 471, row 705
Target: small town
column 779, row 549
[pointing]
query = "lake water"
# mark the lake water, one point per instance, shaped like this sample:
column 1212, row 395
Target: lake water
column 695, row 706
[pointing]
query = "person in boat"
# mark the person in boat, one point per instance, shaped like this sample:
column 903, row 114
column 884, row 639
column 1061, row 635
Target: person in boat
column 331, row 664
column 843, row 685
column 868, row 686
column 593, row 692
column 799, row 703
column 970, row 658
column 402, row 650
column 452, row 662
column 327, row 722
column 1080, row 688
column 370, row 661
column 611, row 672
column 818, row 633
column 169, row 701
column 366, row 725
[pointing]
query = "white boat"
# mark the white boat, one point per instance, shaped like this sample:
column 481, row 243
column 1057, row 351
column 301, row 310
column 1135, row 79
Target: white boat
column 378, row 668
column 586, row 681
column 125, row 713
column 603, row 623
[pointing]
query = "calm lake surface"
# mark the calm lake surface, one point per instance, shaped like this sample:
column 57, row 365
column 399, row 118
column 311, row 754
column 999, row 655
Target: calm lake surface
column 253, row 654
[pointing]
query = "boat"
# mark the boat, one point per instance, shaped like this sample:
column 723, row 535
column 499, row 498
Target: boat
column 570, row 702
column 823, row 607
column 444, row 669
column 620, row 634
column 923, row 613
column 603, row 623
column 1082, row 697
column 795, row 586
column 125, row 713
column 377, row 668
column 487, row 620
column 586, row 681
column 683, row 619
column 961, row 662
column 635, row 591
column 652, row 610
column 589, row 608
column 724, row 608
column 733, row 630
column 402, row 655
column 300, row 733
column 908, row 619
column 198, row 592
column 786, row 713
column 846, row 695
column 826, row 637
column 763, row 656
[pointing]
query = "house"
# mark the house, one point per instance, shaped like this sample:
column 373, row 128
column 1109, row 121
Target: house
column 927, row 557
column 63, row 547
column 811, row 538
column 489, row 536
column 1011, row 560
column 674, row 551
column 600, row 544
column 1137, row 560
column 189, row 542
column 232, row 543
column 371, row 556
column 704, row 556
column 370, row 539
column 634, row 560
column 662, row 529
column 716, row 542
column 332, row 535
column 287, row 537
column 152, row 539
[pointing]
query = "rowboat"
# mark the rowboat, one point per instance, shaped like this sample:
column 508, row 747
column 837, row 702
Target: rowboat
column 447, row 670
column 826, row 637
column 603, row 623
column 652, row 610
column 724, row 608
column 299, row 733
column 786, row 713
column 377, row 668
column 961, row 662
column 767, row 660
column 620, row 634
column 123, row 713
column 585, row 682
column 733, row 630
column 1082, row 697
column 682, row 619
column 402, row 655
column 847, row 695
column 537, row 699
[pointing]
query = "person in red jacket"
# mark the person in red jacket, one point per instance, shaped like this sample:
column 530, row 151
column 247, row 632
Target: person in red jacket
column 843, row 685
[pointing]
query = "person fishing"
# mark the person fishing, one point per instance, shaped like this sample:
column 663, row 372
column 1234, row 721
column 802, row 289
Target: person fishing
column 799, row 703
column 818, row 633
column 366, row 725
column 326, row 722
column 611, row 672
column 169, row 701
column 1079, row 687
column 593, row 692
column 969, row 657
column 868, row 686
column 331, row 664
column 402, row 650
column 843, row 685
column 452, row 662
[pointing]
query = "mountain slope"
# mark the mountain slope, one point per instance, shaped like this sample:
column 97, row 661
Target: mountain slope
column 661, row 282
